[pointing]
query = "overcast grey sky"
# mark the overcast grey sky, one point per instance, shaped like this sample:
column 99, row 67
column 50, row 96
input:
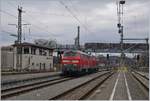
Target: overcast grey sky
column 50, row 19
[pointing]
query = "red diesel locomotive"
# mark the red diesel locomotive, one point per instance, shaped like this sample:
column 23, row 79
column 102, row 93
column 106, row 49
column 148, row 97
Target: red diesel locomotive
column 77, row 62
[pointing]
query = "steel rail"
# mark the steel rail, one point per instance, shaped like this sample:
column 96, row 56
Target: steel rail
column 141, row 75
column 29, row 84
column 25, row 88
column 74, row 90
column 27, row 79
column 141, row 82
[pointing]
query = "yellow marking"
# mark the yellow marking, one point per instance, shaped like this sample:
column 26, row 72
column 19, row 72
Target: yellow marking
column 122, row 69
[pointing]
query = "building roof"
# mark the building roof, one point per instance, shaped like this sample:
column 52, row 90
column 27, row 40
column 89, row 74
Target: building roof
column 7, row 48
column 32, row 45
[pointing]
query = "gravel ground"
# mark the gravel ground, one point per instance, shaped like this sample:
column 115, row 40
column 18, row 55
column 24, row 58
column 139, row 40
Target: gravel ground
column 136, row 89
column 28, row 82
column 8, row 78
column 51, row 91
column 104, row 91
column 144, row 73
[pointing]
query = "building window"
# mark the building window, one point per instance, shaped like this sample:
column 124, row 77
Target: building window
column 19, row 50
column 40, row 51
column 50, row 65
column 40, row 66
column 44, row 53
column 33, row 51
column 33, row 64
column 50, row 53
column 26, row 50
column 44, row 66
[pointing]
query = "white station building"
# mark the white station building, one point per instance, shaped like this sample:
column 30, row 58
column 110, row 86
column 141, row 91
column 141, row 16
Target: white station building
column 33, row 57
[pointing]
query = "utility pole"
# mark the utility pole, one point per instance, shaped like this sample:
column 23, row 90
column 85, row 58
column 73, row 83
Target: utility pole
column 120, row 26
column 19, row 25
column 19, row 41
column 120, row 31
column 147, row 59
column 108, row 62
column 78, row 38
column 16, row 25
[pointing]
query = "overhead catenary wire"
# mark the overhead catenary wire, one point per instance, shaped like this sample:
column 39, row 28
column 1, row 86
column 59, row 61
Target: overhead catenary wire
column 33, row 18
column 74, row 8
column 41, row 24
column 11, row 34
column 34, row 25
column 8, row 13
column 47, row 13
column 43, row 29
column 36, row 12
column 74, row 16
column 78, row 12
column 15, row 35
column 66, row 9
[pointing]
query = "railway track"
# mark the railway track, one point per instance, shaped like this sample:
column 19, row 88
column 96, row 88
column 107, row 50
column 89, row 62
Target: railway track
column 25, row 72
column 13, row 82
column 5, row 93
column 143, row 80
column 141, row 75
column 24, row 88
column 83, row 90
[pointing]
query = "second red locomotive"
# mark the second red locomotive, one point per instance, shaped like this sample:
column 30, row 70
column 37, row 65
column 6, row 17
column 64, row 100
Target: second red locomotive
column 77, row 62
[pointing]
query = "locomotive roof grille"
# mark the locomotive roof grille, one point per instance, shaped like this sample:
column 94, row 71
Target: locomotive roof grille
column 75, row 51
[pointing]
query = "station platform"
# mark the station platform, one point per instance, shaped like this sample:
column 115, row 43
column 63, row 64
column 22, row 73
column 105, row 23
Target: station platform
column 121, row 86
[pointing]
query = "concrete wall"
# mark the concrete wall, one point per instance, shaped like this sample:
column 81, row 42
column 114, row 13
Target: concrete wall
column 7, row 59
column 35, row 62
column 29, row 61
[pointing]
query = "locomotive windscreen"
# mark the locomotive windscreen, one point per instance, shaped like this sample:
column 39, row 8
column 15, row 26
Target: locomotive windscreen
column 70, row 53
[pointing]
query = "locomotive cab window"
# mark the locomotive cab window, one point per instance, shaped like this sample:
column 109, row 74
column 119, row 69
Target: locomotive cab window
column 70, row 53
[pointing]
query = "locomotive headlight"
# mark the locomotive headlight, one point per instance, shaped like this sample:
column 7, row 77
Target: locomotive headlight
column 75, row 61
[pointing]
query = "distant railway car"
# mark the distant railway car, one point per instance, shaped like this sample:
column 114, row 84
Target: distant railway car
column 101, row 63
column 77, row 62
